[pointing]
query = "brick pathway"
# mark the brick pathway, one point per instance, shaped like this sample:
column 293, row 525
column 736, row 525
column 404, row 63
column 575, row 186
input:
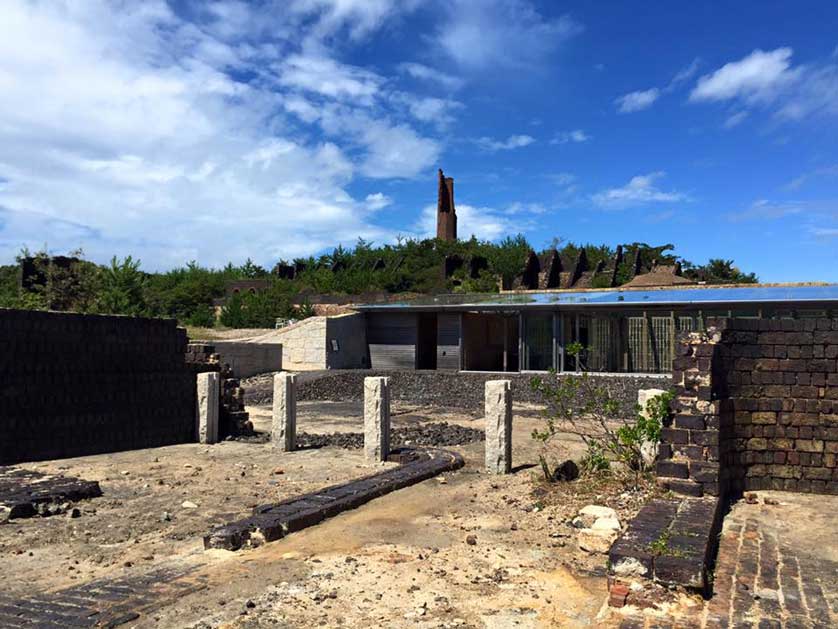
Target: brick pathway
column 101, row 603
column 765, row 577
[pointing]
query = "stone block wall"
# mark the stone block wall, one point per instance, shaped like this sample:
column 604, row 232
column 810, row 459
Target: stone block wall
column 756, row 408
column 304, row 344
column 73, row 384
column 250, row 359
column 308, row 344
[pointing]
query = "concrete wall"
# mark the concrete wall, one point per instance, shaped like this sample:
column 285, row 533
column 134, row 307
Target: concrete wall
column 73, row 384
column 349, row 332
column 249, row 359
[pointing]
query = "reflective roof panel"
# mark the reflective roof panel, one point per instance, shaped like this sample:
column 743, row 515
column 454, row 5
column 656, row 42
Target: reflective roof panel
column 616, row 297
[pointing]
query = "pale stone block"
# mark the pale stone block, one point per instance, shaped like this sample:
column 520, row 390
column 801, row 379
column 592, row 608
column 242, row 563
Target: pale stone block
column 499, row 426
column 284, row 426
column 208, row 406
column 643, row 397
column 376, row 419
column 596, row 541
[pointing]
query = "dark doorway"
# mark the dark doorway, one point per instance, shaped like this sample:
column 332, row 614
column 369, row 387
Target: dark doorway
column 490, row 342
column 426, row 341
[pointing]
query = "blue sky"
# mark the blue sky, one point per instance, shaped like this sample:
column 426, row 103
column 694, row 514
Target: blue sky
column 227, row 130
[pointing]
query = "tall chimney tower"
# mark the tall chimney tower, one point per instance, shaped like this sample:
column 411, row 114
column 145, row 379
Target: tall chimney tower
column 446, row 215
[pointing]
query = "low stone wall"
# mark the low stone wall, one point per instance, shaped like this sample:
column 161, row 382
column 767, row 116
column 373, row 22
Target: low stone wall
column 73, row 384
column 249, row 359
column 460, row 390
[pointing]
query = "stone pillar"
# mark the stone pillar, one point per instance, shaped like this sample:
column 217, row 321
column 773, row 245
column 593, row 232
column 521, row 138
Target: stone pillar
column 209, row 390
column 376, row 419
column 284, row 426
column 499, row 426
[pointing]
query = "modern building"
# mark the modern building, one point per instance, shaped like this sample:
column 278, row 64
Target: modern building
column 609, row 330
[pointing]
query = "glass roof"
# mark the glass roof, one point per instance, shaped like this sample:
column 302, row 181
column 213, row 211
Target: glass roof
column 668, row 296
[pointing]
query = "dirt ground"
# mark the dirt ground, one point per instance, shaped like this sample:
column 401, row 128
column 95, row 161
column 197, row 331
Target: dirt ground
column 403, row 560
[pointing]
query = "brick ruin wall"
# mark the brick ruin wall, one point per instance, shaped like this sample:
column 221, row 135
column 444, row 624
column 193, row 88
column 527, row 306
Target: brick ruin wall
column 73, row 385
column 233, row 419
column 756, row 408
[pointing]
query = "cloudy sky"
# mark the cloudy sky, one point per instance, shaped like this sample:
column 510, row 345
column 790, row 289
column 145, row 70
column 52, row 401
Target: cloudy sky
column 218, row 131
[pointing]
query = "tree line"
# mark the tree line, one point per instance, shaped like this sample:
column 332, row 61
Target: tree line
column 189, row 293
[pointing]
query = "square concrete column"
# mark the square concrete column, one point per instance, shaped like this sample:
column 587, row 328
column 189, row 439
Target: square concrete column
column 284, row 427
column 376, row 419
column 208, row 407
column 499, row 426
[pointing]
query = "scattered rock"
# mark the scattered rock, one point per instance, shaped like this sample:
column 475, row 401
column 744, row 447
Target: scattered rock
column 471, row 540
column 606, row 524
column 596, row 511
column 597, row 541
column 187, row 504
column 75, row 512
column 565, row 472
column 250, row 604
column 166, row 517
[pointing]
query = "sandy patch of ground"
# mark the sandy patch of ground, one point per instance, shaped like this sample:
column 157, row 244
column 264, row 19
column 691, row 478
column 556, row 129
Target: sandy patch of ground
column 403, row 560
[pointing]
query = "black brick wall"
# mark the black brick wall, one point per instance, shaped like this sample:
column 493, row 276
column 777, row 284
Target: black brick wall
column 74, row 384
column 757, row 408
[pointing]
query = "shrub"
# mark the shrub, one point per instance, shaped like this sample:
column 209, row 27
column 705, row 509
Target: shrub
column 582, row 406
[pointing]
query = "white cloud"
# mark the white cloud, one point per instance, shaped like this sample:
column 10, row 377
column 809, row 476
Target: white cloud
column 685, row 74
column 378, row 200
column 825, row 171
column 643, row 99
column 562, row 179
column 437, row 111
column 768, row 80
column 327, row 77
column 127, row 130
column 639, row 190
column 637, row 101
column 735, row 119
column 763, row 209
column 576, row 136
column 422, row 72
column 500, row 34
column 757, row 77
column 512, row 142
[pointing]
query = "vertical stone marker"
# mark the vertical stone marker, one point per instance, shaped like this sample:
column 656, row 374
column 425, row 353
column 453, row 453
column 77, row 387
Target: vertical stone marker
column 376, row 419
column 284, row 426
column 499, row 426
column 208, row 406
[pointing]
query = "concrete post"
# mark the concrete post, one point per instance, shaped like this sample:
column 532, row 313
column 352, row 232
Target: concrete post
column 209, row 390
column 284, row 426
column 499, row 426
column 376, row 419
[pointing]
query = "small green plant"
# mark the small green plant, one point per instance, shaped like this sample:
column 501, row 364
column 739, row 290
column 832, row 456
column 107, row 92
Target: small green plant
column 595, row 459
column 660, row 546
column 583, row 406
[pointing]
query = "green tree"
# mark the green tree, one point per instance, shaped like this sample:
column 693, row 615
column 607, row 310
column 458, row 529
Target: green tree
column 123, row 288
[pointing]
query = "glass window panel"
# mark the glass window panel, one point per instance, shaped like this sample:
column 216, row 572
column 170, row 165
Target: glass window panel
column 538, row 342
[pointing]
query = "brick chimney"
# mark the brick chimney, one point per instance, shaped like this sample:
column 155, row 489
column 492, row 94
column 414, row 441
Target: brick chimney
column 446, row 215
